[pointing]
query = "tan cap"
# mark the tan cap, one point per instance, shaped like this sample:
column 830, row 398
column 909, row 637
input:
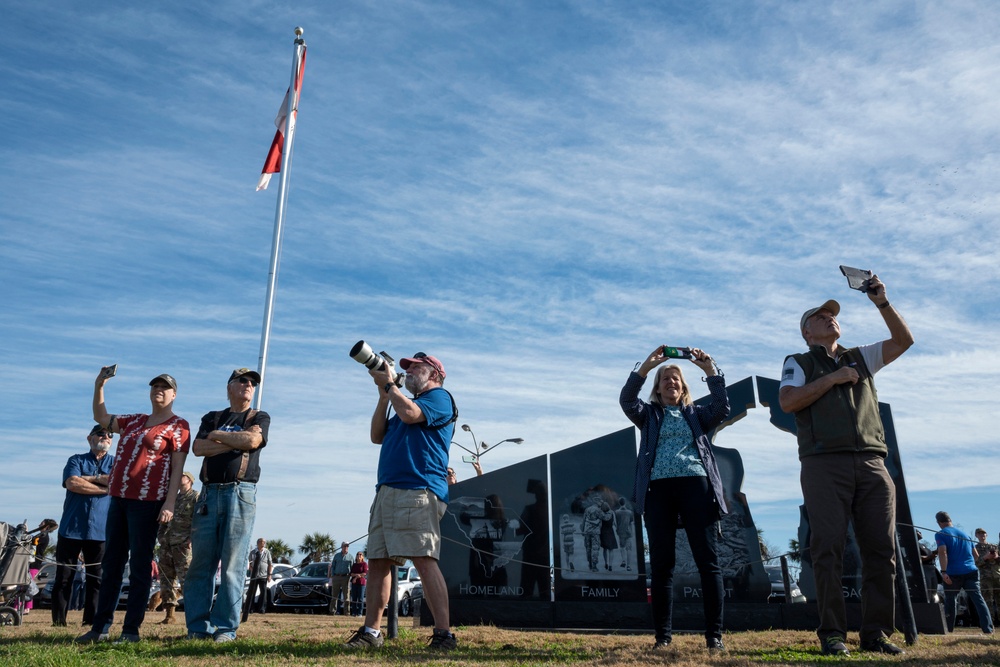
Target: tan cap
column 830, row 305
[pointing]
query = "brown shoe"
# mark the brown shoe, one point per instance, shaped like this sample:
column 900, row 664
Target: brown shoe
column 169, row 619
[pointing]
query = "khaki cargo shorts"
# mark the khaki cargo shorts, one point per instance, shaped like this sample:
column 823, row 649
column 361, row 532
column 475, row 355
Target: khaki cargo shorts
column 405, row 523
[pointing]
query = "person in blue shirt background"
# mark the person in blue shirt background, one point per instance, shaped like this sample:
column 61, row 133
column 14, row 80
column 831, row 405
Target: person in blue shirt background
column 958, row 569
column 81, row 530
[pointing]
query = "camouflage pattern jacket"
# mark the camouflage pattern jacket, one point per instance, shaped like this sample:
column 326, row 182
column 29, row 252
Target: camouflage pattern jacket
column 178, row 531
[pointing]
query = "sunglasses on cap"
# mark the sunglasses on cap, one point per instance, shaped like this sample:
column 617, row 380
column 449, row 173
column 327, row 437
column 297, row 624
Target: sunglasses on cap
column 428, row 360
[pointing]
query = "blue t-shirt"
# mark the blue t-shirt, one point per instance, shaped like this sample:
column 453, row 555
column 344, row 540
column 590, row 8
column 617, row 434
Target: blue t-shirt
column 414, row 456
column 959, row 546
column 84, row 516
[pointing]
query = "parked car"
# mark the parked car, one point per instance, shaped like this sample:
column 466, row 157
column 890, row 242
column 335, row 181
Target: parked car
column 415, row 598
column 778, row 586
column 965, row 612
column 154, row 587
column 308, row 590
column 278, row 572
column 407, row 580
column 45, row 579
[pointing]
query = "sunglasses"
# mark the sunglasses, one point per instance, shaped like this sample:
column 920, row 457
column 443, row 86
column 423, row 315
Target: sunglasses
column 427, row 360
column 246, row 380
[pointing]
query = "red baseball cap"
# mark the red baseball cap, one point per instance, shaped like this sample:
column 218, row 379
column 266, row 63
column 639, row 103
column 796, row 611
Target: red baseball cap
column 421, row 358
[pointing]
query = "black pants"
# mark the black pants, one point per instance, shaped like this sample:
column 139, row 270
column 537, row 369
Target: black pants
column 692, row 499
column 131, row 538
column 68, row 551
column 255, row 585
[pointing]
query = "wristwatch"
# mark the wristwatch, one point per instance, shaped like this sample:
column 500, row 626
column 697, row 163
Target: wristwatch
column 387, row 386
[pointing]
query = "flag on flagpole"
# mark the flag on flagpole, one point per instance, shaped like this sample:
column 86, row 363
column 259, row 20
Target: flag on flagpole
column 272, row 164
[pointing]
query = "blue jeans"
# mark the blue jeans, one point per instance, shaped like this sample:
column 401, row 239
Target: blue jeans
column 969, row 582
column 357, row 598
column 130, row 536
column 221, row 530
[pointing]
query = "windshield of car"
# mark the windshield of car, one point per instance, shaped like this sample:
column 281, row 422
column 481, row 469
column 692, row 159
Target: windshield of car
column 315, row 570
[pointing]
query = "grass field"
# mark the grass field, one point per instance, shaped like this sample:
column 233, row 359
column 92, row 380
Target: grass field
column 303, row 639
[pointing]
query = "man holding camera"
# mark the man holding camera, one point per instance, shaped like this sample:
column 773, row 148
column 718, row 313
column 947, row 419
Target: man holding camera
column 411, row 493
column 81, row 529
column 230, row 440
column 831, row 391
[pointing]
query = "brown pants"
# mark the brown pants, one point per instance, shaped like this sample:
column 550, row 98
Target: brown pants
column 989, row 583
column 853, row 487
column 340, row 584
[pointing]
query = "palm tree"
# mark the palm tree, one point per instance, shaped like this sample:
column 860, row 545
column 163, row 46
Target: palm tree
column 318, row 546
column 767, row 550
column 280, row 551
column 794, row 553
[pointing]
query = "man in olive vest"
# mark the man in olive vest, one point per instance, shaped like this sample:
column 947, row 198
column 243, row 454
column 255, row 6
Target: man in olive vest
column 842, row 449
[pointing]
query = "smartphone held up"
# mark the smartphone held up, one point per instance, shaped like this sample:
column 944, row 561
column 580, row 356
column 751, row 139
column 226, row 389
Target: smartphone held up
column 858, row 279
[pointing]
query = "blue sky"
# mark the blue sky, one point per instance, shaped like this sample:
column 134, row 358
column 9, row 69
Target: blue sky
column 538, row 193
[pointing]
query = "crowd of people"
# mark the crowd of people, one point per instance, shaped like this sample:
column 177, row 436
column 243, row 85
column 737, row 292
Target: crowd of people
column 117, row 506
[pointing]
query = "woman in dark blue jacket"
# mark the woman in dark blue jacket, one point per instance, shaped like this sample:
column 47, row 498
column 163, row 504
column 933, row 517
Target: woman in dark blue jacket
column 676, row 477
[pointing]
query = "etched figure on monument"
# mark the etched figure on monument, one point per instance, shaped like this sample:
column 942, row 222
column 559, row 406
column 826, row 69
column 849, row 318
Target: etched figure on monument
column 592, row 528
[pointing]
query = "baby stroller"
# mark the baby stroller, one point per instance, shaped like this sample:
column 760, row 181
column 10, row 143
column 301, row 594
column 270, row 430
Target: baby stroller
column 15, row 577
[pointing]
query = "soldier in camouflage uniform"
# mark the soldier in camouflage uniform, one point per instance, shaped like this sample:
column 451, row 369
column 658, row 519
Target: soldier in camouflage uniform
column 988, row 563
column 175, row 547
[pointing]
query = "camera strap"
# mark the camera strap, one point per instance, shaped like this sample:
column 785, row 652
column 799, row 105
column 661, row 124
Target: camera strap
column 454, row 412
column 437, row 427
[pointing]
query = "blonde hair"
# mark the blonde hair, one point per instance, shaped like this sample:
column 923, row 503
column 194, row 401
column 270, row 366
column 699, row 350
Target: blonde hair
column 654, row 396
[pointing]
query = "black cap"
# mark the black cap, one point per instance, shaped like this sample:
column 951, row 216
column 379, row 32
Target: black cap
column 244, row 372
column 166, row 378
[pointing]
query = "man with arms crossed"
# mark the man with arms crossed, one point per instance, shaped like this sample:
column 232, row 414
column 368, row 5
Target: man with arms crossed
column 412, row 492
column 230, row 440
column 831, row 391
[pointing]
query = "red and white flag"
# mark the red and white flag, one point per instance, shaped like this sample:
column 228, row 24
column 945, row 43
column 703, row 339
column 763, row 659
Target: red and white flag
column 272, row 165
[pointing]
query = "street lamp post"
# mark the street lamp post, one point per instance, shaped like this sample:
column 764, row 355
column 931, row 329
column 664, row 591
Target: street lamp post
column 481, row 447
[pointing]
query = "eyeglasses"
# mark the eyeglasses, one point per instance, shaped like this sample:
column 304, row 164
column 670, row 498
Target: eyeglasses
column 103, row 434
column 451, row 473
column 246, row 380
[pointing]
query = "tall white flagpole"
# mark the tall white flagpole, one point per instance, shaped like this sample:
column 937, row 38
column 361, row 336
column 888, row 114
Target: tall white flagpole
column 294, row 90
